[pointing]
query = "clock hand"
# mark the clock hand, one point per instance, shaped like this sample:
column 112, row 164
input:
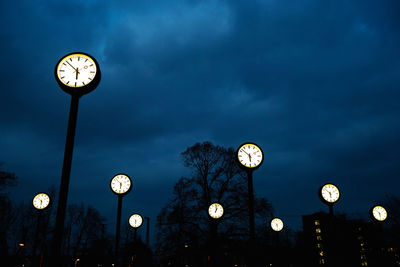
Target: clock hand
column 77, row 72
column 70, row 64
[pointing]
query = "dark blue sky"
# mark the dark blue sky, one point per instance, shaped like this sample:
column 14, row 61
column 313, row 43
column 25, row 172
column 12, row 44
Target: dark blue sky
column 314, row 83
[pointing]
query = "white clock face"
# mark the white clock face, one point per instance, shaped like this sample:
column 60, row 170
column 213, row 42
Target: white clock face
column 215, row 210
column 379, row 213
column 277, row 224
column 330, row 193
column 41, row 201
column 120, row 184
column 76, row 70
column 135, row 220
column 250, row 155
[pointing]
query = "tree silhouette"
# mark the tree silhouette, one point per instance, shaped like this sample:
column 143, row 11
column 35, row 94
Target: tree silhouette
column 184, row 222
column 7, row 213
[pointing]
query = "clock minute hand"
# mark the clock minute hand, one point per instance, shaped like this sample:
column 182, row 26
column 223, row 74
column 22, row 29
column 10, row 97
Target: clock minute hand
column 70, row 65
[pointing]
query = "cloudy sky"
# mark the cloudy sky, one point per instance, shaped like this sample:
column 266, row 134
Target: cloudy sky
column 314, row 83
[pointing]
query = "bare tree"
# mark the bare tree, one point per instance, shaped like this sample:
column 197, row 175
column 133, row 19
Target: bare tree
column 84, row 225
column 215, row 177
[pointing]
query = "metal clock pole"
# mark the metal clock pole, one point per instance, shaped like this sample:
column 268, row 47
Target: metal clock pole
column 250, row 157
column 120, row 185
column 251, row 204
column 118, row 228
column 65, row 176
column 147, row 230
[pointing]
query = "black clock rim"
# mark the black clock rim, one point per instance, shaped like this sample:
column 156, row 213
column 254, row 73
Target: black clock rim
column 322, row 198
column 372, row 215
column 48, row 205
column 245, row 167
column 79, row 91
column 121, row 194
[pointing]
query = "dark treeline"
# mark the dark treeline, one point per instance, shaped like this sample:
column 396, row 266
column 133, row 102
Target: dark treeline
column 188, row 236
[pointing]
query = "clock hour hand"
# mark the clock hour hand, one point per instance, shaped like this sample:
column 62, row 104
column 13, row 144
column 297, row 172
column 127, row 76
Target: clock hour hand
column 77, row 72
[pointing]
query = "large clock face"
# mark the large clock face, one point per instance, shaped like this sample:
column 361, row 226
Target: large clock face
column 215, row 210
column 41, row 201
column 76, row 70
column 135, row 220
column 330, row 193
column 120, row 184
column 379, row 213
column 250, row 155
column 77, row 73
column 277, row 224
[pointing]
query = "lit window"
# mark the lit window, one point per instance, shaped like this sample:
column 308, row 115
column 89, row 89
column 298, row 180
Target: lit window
column 321, row 253
column 364, row 263
column 319, row 245
column 316, row 222
column 319, row 237
column 318, row 230
column 321, row 261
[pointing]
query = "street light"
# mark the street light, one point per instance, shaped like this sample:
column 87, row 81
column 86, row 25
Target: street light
column 77, row 74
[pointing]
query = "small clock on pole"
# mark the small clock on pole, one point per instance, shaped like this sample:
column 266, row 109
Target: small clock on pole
column 329, row 194
column 250, row 157
column 120, row 184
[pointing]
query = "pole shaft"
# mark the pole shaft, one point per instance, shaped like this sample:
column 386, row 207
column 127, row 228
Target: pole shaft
column 147, row 230
column 251, row 204
column 65, row 175
column 118, row 228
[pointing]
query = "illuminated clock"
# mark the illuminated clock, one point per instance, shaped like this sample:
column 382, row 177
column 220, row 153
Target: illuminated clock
column 216, row 210
column 277, row 224
column 77, row 73
column 121, row 184
column 249, row 156
column 379, row 213
column 41, row 201
column 329, row 193
column 135, row 220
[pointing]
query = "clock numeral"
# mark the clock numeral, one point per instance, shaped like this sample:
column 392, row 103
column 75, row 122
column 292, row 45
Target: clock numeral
column 92, row 72
column 79, row 58
column 86, row 60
